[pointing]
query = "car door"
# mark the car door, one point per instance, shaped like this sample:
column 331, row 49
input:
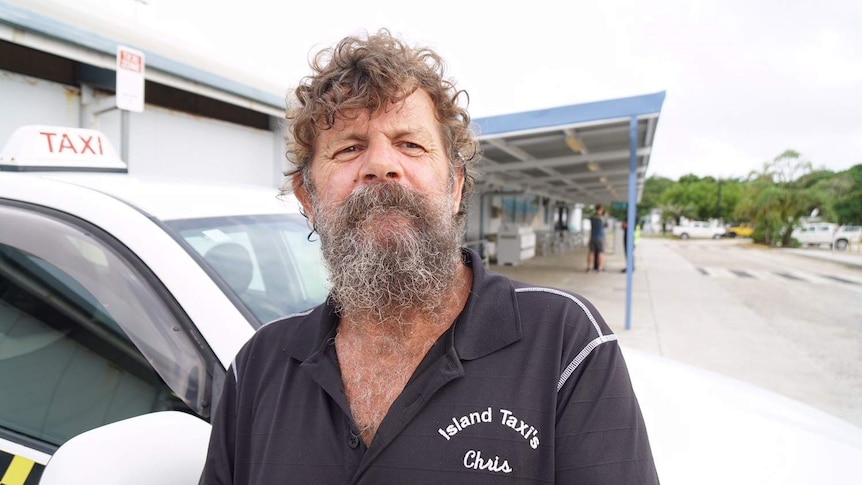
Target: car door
column 88, row 336
column 804, row 234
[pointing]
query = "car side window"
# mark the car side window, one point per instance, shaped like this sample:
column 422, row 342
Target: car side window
column 265, row 261
column 85, row 338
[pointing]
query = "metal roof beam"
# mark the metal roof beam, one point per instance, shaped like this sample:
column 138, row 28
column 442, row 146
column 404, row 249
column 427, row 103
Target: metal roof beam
column 563, row 161
column 516, row 152
column 582, row 176
column 528, row 181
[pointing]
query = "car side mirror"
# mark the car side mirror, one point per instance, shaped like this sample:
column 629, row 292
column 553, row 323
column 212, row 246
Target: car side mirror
column 167, row 448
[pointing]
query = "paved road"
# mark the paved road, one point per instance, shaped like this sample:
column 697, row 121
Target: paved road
column 786, row 320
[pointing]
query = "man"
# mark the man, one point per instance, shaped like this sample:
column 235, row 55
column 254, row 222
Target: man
column 596, row 254
column 422, row 366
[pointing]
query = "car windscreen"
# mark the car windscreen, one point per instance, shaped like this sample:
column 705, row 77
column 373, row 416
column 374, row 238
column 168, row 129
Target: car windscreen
column 265, row 263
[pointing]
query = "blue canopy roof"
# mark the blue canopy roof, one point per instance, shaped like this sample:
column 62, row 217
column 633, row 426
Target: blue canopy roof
column 577, row 154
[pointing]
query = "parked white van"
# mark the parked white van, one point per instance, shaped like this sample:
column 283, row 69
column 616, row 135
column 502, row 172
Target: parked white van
column 815, row 233
column 847, row 237
column 698, row 229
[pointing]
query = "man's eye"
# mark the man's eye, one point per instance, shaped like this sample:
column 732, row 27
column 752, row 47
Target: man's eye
column 346, row 153
column 411, row 147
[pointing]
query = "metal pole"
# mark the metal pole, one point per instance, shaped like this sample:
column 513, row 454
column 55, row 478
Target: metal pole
column 124, row 136
column 630, row 219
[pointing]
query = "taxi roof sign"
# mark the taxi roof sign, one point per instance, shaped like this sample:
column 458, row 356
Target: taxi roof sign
column 40, row 148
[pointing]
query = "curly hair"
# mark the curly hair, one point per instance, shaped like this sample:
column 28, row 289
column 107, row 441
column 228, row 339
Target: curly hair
column 368, row 74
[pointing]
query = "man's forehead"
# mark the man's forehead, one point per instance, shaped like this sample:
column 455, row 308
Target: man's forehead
column 359, row 128
column 414, row 107
column 407, row 116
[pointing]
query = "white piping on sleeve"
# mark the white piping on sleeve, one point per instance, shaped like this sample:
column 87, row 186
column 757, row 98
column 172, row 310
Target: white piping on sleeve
column 590, row 346
column 581, row 356
column 570, row 297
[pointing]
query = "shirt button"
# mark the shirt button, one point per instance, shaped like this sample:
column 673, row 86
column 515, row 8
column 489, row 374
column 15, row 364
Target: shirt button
column 353, row 441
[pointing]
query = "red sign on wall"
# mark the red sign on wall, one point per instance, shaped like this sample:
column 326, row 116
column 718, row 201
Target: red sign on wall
column 130, row 61
column 130, row 79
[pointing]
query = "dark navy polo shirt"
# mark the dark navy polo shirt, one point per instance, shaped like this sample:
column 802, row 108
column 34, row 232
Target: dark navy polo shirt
column 528, row 386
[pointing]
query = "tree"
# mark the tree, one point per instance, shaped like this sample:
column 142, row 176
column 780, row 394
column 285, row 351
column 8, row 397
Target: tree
column 673, row 212
column 847, row 206
column 730, row 191
column 773, row 199
column 654, row 188
column 776, row 198
column 697, row 197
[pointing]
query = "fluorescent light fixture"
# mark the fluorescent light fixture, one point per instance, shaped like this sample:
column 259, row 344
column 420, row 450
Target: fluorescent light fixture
column 593, row 166
column 575, row 144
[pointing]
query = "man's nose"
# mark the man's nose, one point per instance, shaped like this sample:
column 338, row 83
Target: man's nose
column 382, row 164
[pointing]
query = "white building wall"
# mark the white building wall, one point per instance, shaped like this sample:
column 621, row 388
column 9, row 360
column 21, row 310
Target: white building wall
column 162, row 142
column 25, row 100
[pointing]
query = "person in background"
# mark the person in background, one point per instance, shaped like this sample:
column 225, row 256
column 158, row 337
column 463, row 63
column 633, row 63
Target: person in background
column 422, row 366
column 635, row 238
column 596, row 254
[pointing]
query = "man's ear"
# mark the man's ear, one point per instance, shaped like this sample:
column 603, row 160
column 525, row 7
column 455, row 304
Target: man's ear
column 301, row 192
column 458, row 188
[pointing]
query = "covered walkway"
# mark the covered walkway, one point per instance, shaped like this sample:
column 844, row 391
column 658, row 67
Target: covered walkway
column 573, row 156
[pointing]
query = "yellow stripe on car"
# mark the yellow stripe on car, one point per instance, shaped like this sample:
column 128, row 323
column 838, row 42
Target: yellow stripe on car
column 18, row 471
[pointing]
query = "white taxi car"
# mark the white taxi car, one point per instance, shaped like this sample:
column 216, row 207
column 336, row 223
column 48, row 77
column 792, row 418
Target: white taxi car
column 121, row 297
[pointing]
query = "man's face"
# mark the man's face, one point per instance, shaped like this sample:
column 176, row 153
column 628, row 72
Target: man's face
column 384, row 201
column 403, row 144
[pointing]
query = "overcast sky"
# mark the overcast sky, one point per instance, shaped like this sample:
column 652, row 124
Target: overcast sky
column 745, row 80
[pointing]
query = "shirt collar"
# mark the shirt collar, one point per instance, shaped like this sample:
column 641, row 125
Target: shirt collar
column 489, row 322
column 490, row 319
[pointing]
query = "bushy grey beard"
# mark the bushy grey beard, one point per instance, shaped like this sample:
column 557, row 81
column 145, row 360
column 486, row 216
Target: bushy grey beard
column 385, row 269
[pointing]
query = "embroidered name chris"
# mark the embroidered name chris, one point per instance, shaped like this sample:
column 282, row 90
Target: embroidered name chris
column 507, row 418
column 473, row 459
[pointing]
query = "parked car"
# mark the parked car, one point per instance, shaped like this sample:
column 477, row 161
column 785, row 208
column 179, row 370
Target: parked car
column 814, row 233
column 846, row 236
column 745, row 229
column 698, row 229
column 122, row 296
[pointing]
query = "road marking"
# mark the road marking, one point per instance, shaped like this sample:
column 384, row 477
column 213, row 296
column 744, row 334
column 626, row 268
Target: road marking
column 840, row 280
column 724, row 273
column 789, row 276
column 741, row 273
column 763, row 275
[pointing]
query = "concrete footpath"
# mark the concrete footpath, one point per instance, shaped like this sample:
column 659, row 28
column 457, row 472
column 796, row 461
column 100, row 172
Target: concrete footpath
column 678, row 314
